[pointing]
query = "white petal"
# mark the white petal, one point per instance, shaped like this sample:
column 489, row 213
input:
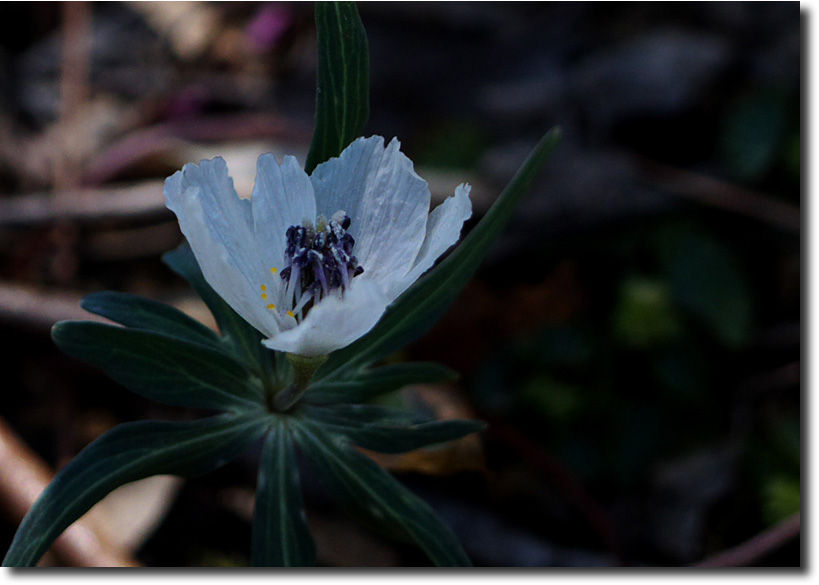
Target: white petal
column 217, row 225
column 387, row 202
column 282, row 197
column 443, row 230
column 334, row 323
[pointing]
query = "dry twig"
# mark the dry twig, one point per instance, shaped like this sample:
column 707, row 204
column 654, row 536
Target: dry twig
column 134, row 202
column 564, row 480
column 25, row 476
column 723, row 195
column 747, row 553
column 74, row 91
column 35, row 307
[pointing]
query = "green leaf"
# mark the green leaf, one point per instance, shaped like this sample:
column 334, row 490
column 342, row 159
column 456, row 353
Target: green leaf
column 342, row 91
column 141, row 313
column 386, row 430
column 645, row 315
column 245, row 340
column 368, row 491
column 707, row 280
column 414, row 312
column 753, row 132
column 281, row 537
column 124, row 454
column 162, row 368
column 369, row 383
column 781, row 498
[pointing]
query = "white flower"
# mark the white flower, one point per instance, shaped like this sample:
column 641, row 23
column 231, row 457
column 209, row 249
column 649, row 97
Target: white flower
column 312, row 262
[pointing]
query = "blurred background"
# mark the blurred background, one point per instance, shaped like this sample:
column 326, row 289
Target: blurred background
column 633, row 339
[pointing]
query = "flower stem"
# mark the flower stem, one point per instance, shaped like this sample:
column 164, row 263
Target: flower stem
column 304, row 367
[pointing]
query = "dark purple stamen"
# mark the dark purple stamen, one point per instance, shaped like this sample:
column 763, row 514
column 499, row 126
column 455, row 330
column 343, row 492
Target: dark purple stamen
column 320, row 260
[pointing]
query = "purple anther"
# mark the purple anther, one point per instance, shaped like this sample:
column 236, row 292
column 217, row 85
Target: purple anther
column 317, row 263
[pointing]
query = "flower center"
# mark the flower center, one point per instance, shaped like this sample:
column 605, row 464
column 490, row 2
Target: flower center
column 319, row 261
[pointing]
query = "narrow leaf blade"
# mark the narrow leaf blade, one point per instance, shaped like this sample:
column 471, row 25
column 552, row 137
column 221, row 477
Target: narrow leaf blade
column 707, row 280
column 369, row 383
column 127, row 453
column 387, row 430
column 281, row 537
column 414, row 312
column 141, row 313
column 162, row 368
column 342, row 92
column 368, row 491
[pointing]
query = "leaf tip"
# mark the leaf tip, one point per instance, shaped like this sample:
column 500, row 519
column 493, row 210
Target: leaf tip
column 58, row 328
column 91, row 301
column 61, row 333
